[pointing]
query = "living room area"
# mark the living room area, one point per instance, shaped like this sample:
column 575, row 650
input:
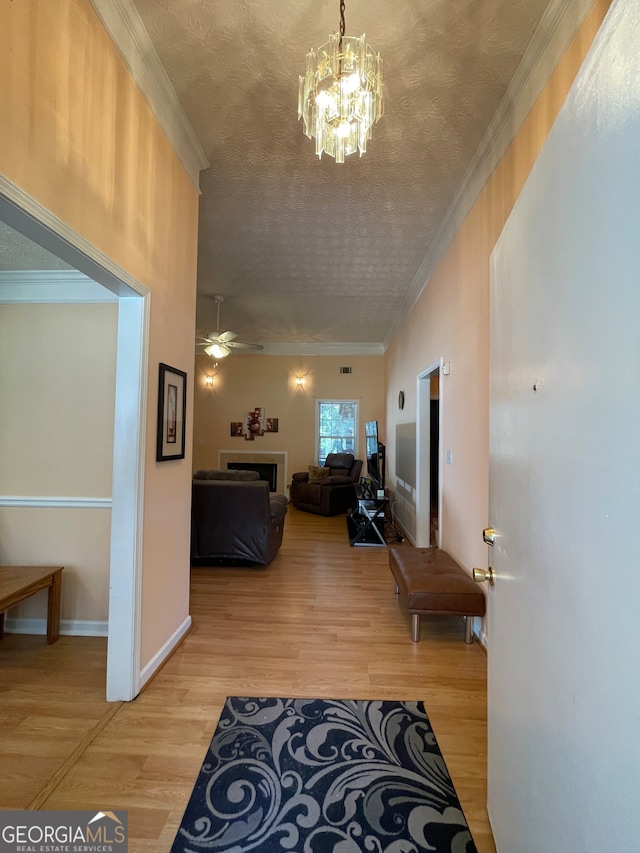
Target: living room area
column 244, row 383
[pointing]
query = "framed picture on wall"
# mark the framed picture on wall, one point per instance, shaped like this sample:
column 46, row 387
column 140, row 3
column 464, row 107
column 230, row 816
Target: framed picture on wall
column 172, row 409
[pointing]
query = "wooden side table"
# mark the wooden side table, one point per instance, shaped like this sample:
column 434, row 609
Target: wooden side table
column 19, row 582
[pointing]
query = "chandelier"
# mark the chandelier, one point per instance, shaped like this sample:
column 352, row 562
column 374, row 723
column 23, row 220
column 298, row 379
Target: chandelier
column 340, row 96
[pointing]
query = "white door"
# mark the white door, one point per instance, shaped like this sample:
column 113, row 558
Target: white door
column 564, row 644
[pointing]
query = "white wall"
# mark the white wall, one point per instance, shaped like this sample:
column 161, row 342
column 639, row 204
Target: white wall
column 564, row 700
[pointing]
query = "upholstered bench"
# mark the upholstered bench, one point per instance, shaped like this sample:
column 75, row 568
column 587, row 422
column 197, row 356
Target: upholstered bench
column 429, row 580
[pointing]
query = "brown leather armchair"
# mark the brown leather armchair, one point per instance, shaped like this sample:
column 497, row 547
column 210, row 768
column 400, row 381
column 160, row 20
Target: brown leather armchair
column 335, row 493
column 234, row 518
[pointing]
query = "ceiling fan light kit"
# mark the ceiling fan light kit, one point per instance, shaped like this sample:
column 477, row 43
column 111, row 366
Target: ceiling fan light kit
column 340, row 96
column 217, row 350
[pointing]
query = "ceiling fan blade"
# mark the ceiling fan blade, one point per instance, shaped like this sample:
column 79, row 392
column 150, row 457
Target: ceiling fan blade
column 225, row 337
column 241, row 345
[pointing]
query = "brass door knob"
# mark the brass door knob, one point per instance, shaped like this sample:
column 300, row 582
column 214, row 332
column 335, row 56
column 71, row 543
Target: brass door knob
column 482, row 575
column 489, row 535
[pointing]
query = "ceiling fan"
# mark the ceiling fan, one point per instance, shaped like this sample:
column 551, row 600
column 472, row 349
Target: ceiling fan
column 220, row 344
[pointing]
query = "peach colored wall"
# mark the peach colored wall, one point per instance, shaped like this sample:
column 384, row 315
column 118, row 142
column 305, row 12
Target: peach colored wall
column 451, row 320
column 78, row 137
column 246, row 381
column 57, row 375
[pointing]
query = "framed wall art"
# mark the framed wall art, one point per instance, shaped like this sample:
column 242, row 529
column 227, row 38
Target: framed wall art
column 255, row 423
column 172, row 409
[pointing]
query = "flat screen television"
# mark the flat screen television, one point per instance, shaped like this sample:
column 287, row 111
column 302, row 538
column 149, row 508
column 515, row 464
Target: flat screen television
column 374, row 449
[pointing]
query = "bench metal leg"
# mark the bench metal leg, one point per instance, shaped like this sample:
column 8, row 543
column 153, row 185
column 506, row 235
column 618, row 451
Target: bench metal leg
column 415, row 627
column 468, row 629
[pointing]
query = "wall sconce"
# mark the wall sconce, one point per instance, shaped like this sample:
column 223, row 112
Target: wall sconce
column 299, row 381
column 209, row 380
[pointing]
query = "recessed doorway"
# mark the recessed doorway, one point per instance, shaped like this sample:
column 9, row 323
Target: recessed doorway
column 428, row 458
column 23, row 214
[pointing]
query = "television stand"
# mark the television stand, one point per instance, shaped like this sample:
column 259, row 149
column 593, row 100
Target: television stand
column 366, row 523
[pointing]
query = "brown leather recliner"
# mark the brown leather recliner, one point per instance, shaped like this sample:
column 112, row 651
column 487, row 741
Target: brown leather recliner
column 335, row 493
column 234, row 519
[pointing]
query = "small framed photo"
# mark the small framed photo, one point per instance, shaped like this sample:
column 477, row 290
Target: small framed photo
column 172, row 409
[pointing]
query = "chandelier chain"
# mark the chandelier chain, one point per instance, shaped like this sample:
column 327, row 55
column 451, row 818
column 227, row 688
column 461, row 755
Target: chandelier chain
column 342, row 26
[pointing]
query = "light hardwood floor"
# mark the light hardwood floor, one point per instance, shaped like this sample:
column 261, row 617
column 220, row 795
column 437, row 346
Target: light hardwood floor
column 321, row 621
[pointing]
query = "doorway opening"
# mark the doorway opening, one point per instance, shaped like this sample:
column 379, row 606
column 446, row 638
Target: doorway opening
column 434, row 459
column 428, row 458
column 27, row 217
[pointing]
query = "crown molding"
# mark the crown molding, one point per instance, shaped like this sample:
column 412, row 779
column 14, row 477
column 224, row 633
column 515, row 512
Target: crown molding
column 124, row 25
column 559, row 24
column 310, row 349
column 51, row 286
column 319, row 349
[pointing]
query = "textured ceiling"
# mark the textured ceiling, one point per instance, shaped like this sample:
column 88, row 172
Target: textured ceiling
column 19, row 253
column 308, row 250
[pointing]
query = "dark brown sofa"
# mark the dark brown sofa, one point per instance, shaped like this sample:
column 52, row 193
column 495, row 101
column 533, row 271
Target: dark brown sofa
column 335, row 494
column 234, row 518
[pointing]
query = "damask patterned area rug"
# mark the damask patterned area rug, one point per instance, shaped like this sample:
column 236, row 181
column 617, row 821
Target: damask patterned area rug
column 318, row 775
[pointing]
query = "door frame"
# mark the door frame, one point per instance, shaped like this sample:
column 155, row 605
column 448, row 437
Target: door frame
column 23, row 213
column 423, row 454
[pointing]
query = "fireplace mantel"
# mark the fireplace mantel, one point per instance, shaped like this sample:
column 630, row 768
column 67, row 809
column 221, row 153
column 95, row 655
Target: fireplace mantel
column 277, row 457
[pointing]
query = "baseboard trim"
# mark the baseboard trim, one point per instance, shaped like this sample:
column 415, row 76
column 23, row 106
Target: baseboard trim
column 148, row 670
column 68, row 627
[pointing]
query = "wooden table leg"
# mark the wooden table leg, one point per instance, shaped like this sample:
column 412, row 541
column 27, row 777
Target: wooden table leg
column 53, row 608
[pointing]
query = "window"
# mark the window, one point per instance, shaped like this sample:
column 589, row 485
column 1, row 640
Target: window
column 337, row 427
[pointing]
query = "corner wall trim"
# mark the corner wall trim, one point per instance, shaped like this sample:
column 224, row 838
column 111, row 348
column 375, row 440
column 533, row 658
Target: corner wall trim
column 150, row 668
